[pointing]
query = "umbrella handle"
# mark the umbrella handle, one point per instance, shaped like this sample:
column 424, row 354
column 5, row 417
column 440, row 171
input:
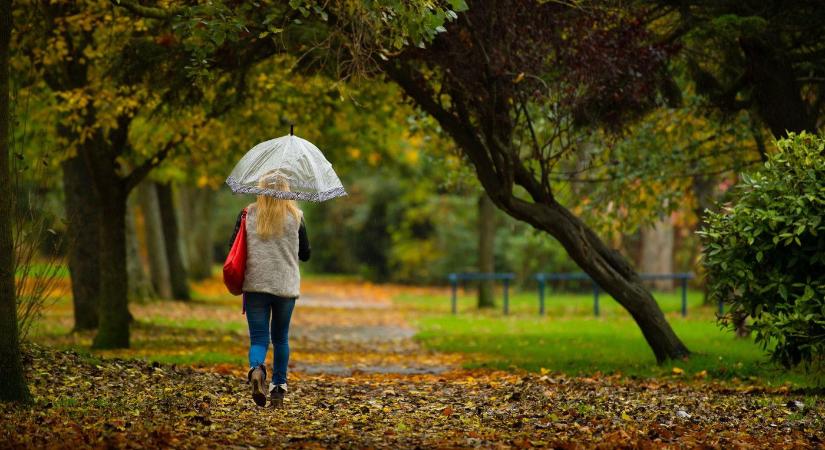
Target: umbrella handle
column 291, row 129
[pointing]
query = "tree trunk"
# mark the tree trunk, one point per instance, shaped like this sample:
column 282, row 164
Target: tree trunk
column 83, row 236
column 155, row 242
column 702, row 186
column 140, row 286
column 196, row 213
column 183, row 242
column 114, row 309
column 657, row 251
column 740, row 324
column 486, row 248
column 12, row 380
column 607, row 267
column 177, row 272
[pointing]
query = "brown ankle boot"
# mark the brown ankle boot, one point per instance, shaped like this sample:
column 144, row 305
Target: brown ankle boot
column 276, row 395
column 257, row 376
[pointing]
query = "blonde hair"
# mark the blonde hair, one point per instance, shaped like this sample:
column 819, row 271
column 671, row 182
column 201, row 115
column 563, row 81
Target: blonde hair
column 269, row 220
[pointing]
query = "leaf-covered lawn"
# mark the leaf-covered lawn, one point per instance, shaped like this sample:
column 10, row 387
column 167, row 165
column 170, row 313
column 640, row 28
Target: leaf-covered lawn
column 84, row 402
column 358, row 379
column 571, row 340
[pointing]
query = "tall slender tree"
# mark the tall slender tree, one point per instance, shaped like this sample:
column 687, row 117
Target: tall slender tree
column 486, row 248
column 12, row 380
column 140, row 286
column 196, row 218
column 174, row 256
column 155, row 241
column 657, row 251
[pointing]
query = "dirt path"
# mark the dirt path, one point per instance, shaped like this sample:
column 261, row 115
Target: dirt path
column 360, row 380
column 351, row 333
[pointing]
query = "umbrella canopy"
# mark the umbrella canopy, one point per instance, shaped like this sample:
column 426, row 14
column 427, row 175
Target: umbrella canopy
column 264, row 168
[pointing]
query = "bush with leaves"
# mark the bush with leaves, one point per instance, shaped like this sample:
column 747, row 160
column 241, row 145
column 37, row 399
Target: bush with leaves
column 765, row 252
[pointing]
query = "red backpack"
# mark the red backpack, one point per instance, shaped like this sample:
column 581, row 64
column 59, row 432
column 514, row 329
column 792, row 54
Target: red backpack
column 235, row 265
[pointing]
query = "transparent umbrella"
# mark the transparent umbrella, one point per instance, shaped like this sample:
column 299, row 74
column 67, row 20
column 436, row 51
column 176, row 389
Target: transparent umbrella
column 287, row 167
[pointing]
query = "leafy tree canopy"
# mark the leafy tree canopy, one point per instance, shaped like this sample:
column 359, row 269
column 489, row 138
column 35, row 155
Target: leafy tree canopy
column 763, row 56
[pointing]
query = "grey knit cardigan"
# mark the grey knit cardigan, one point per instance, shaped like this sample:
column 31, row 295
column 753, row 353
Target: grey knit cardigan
column 272, row 263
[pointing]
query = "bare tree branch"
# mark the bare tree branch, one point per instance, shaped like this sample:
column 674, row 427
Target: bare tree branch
column 140, row 172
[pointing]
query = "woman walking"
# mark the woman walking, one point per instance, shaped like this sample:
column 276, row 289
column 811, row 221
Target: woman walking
column 276, row 240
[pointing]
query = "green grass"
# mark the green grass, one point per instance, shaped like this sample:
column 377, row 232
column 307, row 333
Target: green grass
column 198, row 359
column 238, row 326
column 40, row 268
column 570, row 340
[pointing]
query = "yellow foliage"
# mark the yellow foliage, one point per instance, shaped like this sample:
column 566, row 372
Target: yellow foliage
column 374, row 158
column 411, row 157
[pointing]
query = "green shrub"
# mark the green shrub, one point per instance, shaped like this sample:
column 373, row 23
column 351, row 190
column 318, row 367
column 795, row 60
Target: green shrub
column 765, row 252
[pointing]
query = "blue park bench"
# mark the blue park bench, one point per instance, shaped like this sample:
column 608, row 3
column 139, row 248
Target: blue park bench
column 543, row 278
column 481, row 276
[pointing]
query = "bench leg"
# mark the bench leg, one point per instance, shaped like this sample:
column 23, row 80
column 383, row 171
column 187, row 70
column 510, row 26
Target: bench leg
column 595, row 299
column 454, row 307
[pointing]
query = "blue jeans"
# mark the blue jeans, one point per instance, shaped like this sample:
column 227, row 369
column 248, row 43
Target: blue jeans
column 259, row 308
